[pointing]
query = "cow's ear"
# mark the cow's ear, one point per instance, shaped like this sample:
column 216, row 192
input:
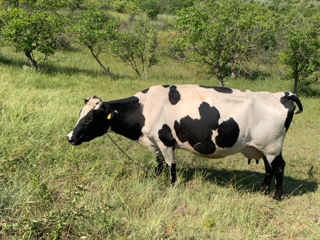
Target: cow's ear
column 86, row 100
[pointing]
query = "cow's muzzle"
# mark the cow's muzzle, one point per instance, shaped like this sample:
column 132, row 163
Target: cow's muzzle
column 72, row 141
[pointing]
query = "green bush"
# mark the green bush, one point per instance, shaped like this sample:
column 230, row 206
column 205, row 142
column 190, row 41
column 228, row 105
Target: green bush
column 151, row 7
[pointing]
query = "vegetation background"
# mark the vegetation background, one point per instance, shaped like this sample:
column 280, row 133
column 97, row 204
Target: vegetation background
column 52, row 190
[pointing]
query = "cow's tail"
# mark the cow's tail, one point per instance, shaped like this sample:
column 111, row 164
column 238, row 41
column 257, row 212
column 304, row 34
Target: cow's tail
column 294, row 98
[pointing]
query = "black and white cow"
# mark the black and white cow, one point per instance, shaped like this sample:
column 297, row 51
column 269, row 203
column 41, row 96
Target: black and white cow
column 210, row 121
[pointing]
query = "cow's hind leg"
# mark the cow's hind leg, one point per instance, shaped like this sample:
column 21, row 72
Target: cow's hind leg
column 265, row 187
column 278, row 165
column 160, row 161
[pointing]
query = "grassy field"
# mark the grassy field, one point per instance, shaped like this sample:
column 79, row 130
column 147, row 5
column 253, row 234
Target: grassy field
column 50, row 189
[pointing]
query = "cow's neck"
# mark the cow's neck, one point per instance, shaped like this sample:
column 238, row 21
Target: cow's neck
column 128, row 119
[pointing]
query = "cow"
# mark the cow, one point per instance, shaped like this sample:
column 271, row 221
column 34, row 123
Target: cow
column 212, row 122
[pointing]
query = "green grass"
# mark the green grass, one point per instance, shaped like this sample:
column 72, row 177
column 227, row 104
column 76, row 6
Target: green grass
column 52, row 190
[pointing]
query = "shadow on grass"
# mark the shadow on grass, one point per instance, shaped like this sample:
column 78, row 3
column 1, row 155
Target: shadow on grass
column 249, row 181
column 52, row 69
column 11, row 62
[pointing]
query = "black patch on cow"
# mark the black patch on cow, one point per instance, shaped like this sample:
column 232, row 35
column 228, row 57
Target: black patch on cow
column 174, row 95
column 198, row 132
column 219, row 89
column 145, row 90
column 209, row 115
column 228, row 133
column 128, row 119
column 290, row 106
column 165, row 135
column 166, row 86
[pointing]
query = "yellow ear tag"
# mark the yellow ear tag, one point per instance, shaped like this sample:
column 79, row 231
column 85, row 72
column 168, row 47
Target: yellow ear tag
column 109, row 116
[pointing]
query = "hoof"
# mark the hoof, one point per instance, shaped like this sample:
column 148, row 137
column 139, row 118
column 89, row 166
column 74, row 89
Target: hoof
column 173, row 181
column 277, row 195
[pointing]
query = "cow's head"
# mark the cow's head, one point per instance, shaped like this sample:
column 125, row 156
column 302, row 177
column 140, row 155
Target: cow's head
column 94, row 121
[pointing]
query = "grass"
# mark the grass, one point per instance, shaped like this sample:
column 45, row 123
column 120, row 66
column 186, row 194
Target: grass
column 52, row 190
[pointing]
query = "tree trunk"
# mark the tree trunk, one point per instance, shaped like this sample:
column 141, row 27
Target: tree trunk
column 31, row 60
column 137, row 71
column 296, row 80
column 105, row 69
column 220, row 77
column 233, row 67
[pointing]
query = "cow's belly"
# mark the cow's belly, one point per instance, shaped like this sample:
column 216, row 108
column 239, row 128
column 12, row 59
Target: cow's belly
column 217, row 153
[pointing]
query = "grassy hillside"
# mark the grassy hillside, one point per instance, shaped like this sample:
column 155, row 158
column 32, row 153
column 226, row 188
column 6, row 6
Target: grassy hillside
column 52, row 190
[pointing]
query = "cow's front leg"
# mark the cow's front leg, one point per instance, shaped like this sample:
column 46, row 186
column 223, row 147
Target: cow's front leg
column 265, row 187
column 168, row 154
column 278, row 165
column 160, row 161
column 173, row 173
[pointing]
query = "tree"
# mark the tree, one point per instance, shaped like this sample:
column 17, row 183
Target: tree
column 135, row 7
column 127, row 6
column 132, row 9
column 150, row 7
column 94, row 29
column 137, row 46
column 302, row 51
column 221, row 32
column 30, row 26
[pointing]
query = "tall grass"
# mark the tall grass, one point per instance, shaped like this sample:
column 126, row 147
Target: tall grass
column 52, row 190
